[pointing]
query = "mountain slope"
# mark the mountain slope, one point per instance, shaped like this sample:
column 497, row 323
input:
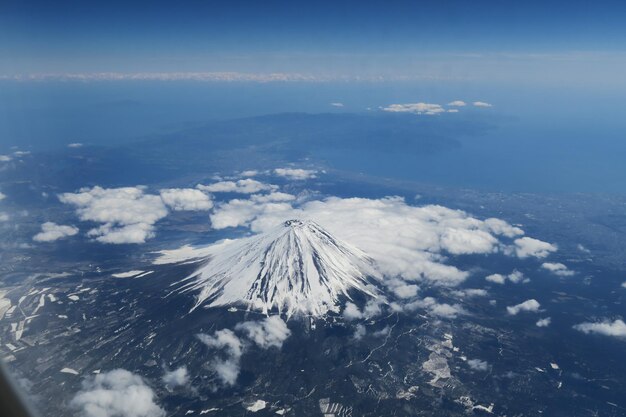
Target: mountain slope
column 297, row 267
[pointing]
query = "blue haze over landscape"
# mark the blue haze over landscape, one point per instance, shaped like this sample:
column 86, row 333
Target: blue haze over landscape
column 314, row 208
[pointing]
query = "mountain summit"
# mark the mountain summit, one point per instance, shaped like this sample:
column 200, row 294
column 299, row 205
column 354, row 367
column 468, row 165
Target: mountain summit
column 297, row 267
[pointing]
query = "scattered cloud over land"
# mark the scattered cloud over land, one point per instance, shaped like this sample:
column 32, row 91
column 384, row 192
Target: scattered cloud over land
column 179, row 199
column 245, row 186
column 557, row 269
column 515, row 277
column 267, row 333
column 615, row 328
column 478, row 365
column 177, row 377
column 531, row 305
column 415, row 108
column 544, row 322
column 296, row 173
column 117, row 393
column 525, row 247
column 51, row 231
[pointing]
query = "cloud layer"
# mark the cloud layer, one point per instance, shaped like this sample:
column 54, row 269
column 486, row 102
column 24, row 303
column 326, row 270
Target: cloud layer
column 406, row 241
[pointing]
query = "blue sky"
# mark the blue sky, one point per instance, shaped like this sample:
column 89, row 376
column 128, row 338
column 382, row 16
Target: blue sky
column 431, row 39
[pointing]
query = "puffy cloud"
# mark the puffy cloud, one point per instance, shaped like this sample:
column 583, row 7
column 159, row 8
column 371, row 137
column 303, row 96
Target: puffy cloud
column 336, row 104
column 515, row 277
column 176, row 378
column 359, row 332
column 127, row 214
column 557, row 269
column 405, row 290
column 2, row 196
column 531, row 305
column 352, row 312
column 457, row 103
column 435, row 308
column 272, row 331
column 544, row 322
column 51, row 231
column 4, row 217
column 249, row 173
column 478, row 365
column 240, row 212
column 470, row 292
column 186, row 199
column 406, row 241
column 496, row 278
column 117, row 393
column 372, row 309
column 295, row 173
column 624, row 284
column 245, row 186
column 5, row 158
column 525, row 247
column 227, row 368
column 616, row 328
column 416, row 108
column 481, row 104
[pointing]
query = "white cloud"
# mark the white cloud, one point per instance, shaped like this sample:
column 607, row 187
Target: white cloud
column 470, row 292
column 616, row 328
column 557, row 269
column 496, row 278
column 416, row 108
column 272, row 331
column 515, row 277
column 352, row 312
column 359, row 332
column 336, row 104
column 227, row 368
column 457, row 103
column 478, row 365
column 295, row 173
column 405, row 241
column 4, row 217
column 372, row 309
column 245, row 186
column 177, row 377
column 186, row 199
column 624, row 284
column 528, row 305
column 127, row 214
column 405, row 290
column 481, row 104
column 117, row 393
column 2, row 196
column 527, row 246
column 544, row 322
column 240, row 212
column 5, row 158
column 249, row 173
column 52, row 231
column 435, row 308
column 74, row 145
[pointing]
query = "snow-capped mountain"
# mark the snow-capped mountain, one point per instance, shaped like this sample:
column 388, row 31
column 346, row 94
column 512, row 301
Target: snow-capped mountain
column 297, row 267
